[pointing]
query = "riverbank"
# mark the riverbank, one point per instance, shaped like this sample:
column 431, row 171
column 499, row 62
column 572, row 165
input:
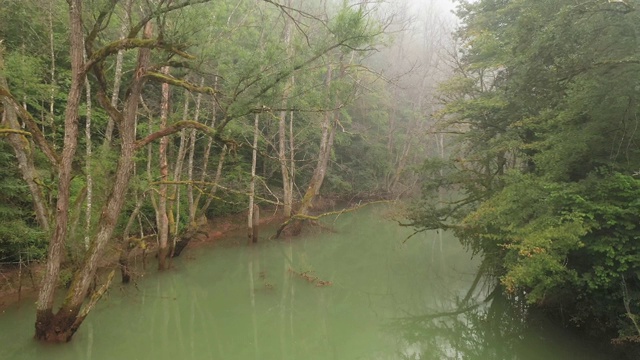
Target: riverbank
column 21, row 283
column 18, row 283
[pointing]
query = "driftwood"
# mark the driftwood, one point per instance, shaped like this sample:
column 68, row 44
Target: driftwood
column 310, row 278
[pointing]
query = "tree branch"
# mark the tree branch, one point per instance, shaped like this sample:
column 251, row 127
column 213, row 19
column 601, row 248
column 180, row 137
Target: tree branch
column 181, row 83
column 302, row 217
column 9, row 131
column 174, row 128
column 136, row 29
column 97, row 26
column 127, row 44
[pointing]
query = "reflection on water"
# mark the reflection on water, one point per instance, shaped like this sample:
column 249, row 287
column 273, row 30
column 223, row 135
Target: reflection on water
column 491, row 330
column 358, row 293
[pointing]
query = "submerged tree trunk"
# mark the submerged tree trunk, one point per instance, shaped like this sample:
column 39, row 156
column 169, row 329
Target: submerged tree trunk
column 284, row 162
column 287, row 173
column 326, row 143
column 328, row 134
column 329, row 122
column 173, row 208
column 161, row 216
column 197, row 220
column 62, row 325
column 251, row 221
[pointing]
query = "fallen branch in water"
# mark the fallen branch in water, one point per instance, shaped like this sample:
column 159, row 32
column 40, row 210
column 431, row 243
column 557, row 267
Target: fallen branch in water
column 312, row 279
column 305, row 217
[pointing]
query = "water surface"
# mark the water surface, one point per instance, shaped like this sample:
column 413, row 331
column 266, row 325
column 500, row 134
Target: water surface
column 264, row 302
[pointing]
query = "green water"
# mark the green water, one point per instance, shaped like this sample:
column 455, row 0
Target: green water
column 238, row 302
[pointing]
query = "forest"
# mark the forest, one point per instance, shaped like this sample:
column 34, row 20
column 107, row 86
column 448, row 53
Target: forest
column 127, row 125
column 542, row 175
column 130, row 125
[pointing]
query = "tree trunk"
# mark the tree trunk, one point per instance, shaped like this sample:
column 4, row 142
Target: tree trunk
column 48, row 326
column 205, row 162
column 117, row 76
column 192, row 149
column 292, row 159
column 88, row 163
column 161, row 217
column 282, row 125
column 326, row 143
column 125, row 245
column 173, row 209
column 329, row 123
column 61, row 326
column 52, row 70
column 402, row 159
column 253, row 232
column 216, row 180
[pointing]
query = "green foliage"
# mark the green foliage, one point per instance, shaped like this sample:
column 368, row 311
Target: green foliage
column 350, row 25
column 241, row 53
column 546, row 104
column 20, row 237
column 25, row 74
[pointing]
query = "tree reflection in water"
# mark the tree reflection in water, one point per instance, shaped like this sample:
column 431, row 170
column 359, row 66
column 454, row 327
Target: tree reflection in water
column 489, row 329
column 490, row 325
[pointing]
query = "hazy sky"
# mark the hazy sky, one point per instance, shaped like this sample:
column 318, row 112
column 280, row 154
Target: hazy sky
column 442, row 6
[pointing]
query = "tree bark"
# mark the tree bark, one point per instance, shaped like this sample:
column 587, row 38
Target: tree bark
column 253, row 232
column 329, row 122
column 52, row 70
column 326, row 143
column 88, row 163
column 61, row 326
column 192, row 150
column 205, row 162
column 161, row 217
column 117, row 76
column 173, row 209
column 282, row 126
column 48, row 326
column 216, row 180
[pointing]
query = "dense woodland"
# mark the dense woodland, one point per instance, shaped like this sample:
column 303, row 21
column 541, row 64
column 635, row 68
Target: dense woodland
column 543, row 178
column 129, row 124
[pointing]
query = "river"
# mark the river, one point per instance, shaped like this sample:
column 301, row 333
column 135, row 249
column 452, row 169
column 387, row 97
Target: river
column 360, row 292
